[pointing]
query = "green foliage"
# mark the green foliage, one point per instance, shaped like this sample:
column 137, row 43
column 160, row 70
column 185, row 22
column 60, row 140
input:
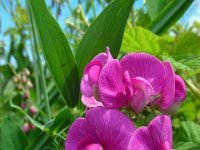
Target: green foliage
column 168, row 15
column 106, row 30
column 86, row 35
column 188, row 136
column 12, row 137
column 57, row 51
column 139, row 39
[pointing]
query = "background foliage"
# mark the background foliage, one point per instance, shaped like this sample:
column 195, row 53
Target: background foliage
column 41, row 64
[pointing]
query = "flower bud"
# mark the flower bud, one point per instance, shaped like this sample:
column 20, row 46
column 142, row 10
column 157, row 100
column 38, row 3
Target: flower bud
column 26, row 95
column 33, row 110
column 26, row 127
column 23, row 105
column 29, row 84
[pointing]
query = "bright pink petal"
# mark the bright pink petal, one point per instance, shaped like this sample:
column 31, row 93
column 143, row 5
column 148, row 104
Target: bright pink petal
column 141, row 140
column 157, row 136
column 88, row 144
column 146, row 66
column 111, row 128
column 160, row 129
column 90, row 101
column 104, row 58
column 111, row 86
column 86, row 88
column 168, row 91
column 77, row 132
column 142, row 94
column 93, row 74
column 180, row 89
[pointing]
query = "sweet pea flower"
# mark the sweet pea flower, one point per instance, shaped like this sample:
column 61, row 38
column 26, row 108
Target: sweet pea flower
column 156, row 136
column 173, row 92
column 102, row 129
column 90, row 78
column 138, row 80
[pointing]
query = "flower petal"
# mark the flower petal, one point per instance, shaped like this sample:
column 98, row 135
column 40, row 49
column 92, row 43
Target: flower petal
column 168, row 91
column 141, row 140
column 180, row 89
column 90, row 101
column 86, row 88
column 142, row 93
column 146, row 66
column 157, row 136
column 110, row 127
column 111, row 86
column 160, row 129
column 75, row 136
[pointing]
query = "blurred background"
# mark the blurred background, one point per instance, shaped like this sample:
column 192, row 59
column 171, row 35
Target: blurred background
column 25, row 80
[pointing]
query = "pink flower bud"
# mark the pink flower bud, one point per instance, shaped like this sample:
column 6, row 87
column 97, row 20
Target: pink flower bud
column 33, row 127
column 29, row 84
column 23, row 105
column 26, row 127
column 26, row 95
column 33, row 110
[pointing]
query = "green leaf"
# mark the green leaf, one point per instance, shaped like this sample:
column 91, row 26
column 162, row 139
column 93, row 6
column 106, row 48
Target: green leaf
column 56, row 50
column 193, row 62
column 188, row 135
column 155, row 6
column 169, row 15
column 139, row 39
column 106, row 30
column 12, row 137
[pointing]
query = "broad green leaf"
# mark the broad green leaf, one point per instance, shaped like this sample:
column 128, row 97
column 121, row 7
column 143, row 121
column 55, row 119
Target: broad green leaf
column 106, row 30
column 12, row 137
column 187, row 43
column 169, row 15
column 56, row 50
column 138, row 39
column 155, row 6
column 177, row 64
column 192, row 62
column 189, row 135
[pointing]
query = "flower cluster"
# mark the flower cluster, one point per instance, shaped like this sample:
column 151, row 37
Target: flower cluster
column 24, row 85
column 137, row 81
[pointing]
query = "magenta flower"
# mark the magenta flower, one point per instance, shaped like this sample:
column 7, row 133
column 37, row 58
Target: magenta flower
column 173, row 92
column 102, row 128
column 157, row 136
column 89, row 87
column 138, row 80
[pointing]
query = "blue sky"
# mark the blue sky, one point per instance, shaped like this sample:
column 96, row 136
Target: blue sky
column 192, row 14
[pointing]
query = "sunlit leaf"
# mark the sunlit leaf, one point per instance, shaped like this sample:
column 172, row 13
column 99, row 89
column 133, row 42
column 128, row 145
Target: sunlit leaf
column 138, row 39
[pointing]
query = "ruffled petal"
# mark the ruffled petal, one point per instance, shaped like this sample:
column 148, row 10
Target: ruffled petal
column 146, row 66
column 111, row 86
column 110, row 127
column 142, row 93
column 141, row 140
column 157, row 136
column 180, row 89
column 86, row 88
column 78, row 131
column 90, row 101
column 160, row 129
column 168, row 91
column 88, row 144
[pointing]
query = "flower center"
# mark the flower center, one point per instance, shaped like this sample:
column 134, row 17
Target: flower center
column 94, row 147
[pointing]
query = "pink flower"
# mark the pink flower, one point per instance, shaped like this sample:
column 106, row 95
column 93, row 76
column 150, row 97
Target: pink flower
column 101, row 129
column 157, row 136
column 173, row 92
column 89, row 87
column 138, row 80
column 26, row 127
column 33, row 110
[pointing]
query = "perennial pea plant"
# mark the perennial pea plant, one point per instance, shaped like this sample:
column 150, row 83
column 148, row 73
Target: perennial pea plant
column 137, row 81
